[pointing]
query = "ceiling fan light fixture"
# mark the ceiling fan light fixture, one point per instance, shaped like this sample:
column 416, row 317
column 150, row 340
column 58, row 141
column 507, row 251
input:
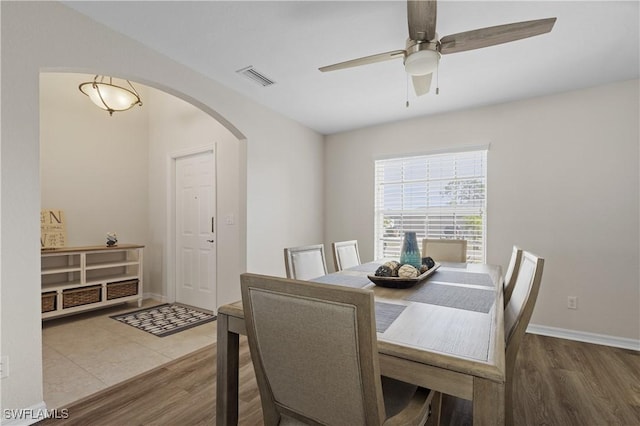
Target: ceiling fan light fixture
column 422, row 62
column 110, row 97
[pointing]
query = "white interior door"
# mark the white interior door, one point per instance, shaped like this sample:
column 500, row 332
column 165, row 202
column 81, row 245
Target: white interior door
column 195, row 231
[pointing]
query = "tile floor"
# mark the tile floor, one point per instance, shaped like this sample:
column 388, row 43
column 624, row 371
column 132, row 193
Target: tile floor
column 83, row 354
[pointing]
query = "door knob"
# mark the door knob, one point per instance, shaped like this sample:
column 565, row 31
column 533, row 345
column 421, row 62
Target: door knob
column 209, row 241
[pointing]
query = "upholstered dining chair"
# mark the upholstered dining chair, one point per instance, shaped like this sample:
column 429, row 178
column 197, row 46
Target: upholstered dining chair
column 345, row 254
column 516, row 319
column 512, row 273
column 305, row 262
column 442, row 250
column 314, row 352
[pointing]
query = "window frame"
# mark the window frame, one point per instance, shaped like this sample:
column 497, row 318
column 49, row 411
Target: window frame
column 423, row 219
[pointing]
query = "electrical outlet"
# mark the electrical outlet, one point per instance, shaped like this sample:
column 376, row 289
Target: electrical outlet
column 4, row 367
column 572, row 302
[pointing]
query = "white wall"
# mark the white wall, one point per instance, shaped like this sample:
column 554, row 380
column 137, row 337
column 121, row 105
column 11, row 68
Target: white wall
column 92, row 166
column 286, row 206
column 284, row 159
column 1, row 117
column 562, row 182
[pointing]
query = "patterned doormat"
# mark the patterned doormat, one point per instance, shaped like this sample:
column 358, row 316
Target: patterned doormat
column 163, row 320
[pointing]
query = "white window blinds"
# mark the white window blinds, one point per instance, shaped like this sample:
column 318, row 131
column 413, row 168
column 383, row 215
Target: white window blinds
column 437, row 196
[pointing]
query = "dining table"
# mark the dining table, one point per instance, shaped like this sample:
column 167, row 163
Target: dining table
column 444, row 332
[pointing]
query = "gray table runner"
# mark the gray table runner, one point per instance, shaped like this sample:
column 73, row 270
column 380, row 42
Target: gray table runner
column 470, row 299
column 369, row 267
column 460, row 277
column 386, row 314
column 354, row 281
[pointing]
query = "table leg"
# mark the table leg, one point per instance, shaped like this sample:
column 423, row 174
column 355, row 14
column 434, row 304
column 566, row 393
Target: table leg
column 227, row 374
column 488, row 402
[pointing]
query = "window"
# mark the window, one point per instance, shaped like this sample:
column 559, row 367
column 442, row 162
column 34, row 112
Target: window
column 437, row 196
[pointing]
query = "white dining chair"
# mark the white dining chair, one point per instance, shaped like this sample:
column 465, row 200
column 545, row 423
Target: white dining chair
column 305, row 262
column 512, row 273
column 443, row 250
column 516, row 319
column 345, row 254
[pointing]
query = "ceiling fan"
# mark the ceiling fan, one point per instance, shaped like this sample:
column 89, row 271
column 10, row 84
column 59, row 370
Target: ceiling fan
column 423, row 48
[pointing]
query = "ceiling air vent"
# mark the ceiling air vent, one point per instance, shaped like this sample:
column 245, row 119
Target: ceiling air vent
column 253, row 75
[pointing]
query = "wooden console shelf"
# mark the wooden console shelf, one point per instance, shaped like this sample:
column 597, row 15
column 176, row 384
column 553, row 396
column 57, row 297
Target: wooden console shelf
column 78, row 279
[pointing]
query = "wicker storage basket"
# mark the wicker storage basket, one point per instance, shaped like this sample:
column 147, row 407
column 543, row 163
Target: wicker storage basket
column 122, row 289
column 81, row 296
column 49, row 301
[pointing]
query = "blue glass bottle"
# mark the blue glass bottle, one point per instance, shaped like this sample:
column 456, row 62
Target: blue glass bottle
column 410, row 251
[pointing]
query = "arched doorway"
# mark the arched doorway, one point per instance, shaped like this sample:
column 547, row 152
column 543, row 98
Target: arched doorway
column 114, row 173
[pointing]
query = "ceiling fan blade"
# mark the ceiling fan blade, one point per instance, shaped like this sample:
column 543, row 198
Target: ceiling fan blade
column 421, row 15
column 380, row 57
column 421, row 84
column 485, row 37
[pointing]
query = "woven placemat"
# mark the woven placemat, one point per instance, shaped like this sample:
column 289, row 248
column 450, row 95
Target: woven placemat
column 461, row 277
column 346, row 280
column 369, row 268
column 164, row 320
column 456, row 265
column 386, row 314
column 469, row 299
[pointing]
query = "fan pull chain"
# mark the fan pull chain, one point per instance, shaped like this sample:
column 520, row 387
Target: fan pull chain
column 438, row 78
column 407, row 104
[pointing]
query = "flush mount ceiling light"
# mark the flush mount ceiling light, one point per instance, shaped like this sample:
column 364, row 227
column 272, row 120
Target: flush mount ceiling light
column 110, row 97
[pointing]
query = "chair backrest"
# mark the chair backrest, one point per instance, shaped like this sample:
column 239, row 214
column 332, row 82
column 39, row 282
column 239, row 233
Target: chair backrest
column 520, row 307
column 517, row 314
column 314, row 351
column 345, row 254
column 305, row 262
column 445, row 250
column 512, row 273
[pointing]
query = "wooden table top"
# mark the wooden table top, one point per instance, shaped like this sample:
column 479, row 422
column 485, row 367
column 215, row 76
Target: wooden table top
column 451, row 320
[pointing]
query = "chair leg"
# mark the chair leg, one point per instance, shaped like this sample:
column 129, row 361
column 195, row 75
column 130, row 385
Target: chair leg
column 508, row 402
column 436, row 405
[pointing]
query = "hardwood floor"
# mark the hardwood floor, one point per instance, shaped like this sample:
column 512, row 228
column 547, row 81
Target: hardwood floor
column 567, row 383
column 558, row 382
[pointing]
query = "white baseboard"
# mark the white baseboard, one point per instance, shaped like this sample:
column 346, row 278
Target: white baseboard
column 583, row 336
column 155, row 296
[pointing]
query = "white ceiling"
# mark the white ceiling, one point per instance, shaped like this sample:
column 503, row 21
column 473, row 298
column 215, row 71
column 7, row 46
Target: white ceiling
column 592, row 43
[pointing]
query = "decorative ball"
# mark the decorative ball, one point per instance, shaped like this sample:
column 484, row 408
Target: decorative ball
column 394, row 266
column 423, row 268
column 384, row 271
column 407, row 271
column 428, row 262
